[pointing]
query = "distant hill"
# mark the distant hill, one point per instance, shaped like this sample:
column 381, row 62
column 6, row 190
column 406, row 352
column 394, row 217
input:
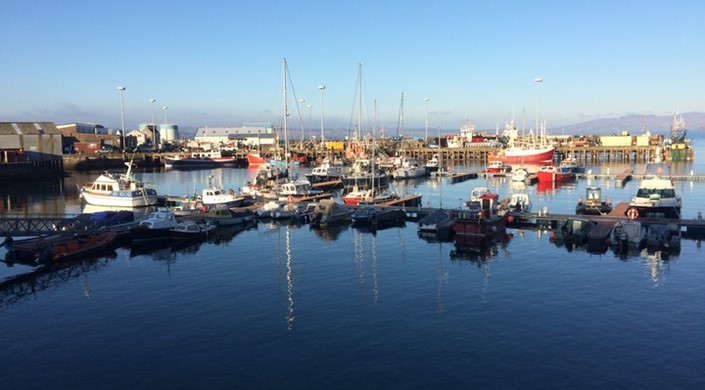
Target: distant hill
column 695, row 121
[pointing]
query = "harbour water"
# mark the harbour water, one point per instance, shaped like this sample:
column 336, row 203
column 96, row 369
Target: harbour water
column 276, row 306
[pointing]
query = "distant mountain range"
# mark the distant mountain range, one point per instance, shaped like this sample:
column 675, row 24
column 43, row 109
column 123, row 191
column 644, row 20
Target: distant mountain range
column 694, row 121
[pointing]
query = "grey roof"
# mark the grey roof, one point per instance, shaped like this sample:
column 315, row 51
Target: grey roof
column 28, row 128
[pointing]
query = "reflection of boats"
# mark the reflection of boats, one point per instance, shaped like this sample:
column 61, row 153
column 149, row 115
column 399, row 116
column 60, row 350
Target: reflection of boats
column 656, row 197
column 479, row 249
column 626, row 235
column 119, row 190
column 593, row 203
column 80, row 247
column 192, row 230
column 156, row 226
column 551, row 173
column 573, row 232
column 483, row 217
column 211, row 159
column 376, row 216
column 664, row 236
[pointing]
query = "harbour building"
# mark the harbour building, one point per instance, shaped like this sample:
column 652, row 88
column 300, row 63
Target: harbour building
column 30, row 149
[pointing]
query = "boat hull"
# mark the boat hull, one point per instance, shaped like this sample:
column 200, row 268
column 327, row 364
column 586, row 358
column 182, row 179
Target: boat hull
column 130, row 199
column 526, row 156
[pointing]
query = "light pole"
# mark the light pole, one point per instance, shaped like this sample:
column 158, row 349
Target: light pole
column 426, row 101
column 301, row 114
column 538, row 82
column 165, row 108
column 310, row 106
column 322, row 88
column 153, row 101
column 122, row 114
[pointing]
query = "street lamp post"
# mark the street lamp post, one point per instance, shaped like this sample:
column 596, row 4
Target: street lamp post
column 426, row 101
column 154, row 124
column 165, row 108
column 153, row 101
column 322, row 88
column 538, row 82
column 310, row 106
column 122, row 114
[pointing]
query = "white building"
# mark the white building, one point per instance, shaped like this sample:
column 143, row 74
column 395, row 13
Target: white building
column 251, row 134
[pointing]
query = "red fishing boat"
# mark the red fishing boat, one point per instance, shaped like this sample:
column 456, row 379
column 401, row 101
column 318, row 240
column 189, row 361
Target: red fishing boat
column 551, row 173
column 483, row 218
column 254, row 160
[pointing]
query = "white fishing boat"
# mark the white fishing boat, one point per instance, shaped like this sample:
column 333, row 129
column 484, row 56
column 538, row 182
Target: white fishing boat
column 408, row 168
column 119, row 190
column 656, row 197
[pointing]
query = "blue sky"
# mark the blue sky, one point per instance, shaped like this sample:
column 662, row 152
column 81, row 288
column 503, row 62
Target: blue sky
column 219, row 63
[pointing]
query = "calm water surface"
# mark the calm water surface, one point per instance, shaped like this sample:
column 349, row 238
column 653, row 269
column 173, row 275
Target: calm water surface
column 277, row 306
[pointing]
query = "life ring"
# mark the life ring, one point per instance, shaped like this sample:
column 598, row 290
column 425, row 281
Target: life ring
column 632, row 214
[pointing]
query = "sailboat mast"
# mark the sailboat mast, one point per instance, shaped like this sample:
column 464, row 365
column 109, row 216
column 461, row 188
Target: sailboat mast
column 359, row 111
column 286, row 117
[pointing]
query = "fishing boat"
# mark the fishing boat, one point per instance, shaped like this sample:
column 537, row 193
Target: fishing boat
column 551, row 173
column 324, row 172
column 210, row 159
column 519, row 202
column 223, row 216
column 80, row 247
column 156, row 226
column 363, row 174
column 498, row 166
column 328, row 213
column 482, row 218
column 593, row 203
column 529, row 150
column 520, row 175
column 656, row 197
column 368, row 196
column 466, row 137
column 214, row 196
column 297, row 189
column 431, row 222
column 678, row 146
column 432, row 165
column 571, row 164
column 254, row 160
column 113, row 189
column 408, row 168
column 190, row 229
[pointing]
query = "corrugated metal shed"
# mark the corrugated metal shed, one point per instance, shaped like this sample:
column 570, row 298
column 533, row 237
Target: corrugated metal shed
column 28, row 128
